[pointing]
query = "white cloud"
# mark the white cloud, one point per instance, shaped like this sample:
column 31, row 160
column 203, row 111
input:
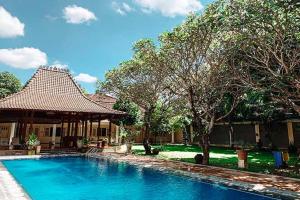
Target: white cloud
column 86, row 78
column 10, row 26
column 121, row 8
column 23, row 58
column 78, row 15
column 59, row 65
column 170, row 8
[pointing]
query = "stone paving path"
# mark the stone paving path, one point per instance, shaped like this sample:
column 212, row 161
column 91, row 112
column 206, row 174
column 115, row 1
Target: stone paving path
column 9, row 188
column 253, row 181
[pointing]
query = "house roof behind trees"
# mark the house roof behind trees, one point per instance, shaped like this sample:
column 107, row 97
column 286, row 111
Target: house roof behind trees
column 103, row 99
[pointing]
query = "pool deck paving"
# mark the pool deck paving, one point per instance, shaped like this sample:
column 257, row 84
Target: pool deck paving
column 271, row 185
column 9, row 188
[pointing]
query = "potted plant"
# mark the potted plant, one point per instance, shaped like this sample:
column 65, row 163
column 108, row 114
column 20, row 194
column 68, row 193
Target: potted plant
column 32, row 143
column 79, row 143
column 242, row 153
column 155, row 151
column 85, row 142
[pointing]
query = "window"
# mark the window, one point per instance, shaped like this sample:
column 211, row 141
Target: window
column 58, row 132
column 36, row 131
column 47, row 132
column 103, row 131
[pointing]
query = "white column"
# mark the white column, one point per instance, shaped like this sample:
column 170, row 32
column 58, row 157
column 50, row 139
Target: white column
column 117, row 134
column 290, row 132
column 54, row 134
column 257, row 133
column 12, row 132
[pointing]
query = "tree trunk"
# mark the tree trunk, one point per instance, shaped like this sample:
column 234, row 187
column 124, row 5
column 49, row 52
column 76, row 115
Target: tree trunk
column 147, row 119
column 205, row 141
column 205, row 149
column 231, row 139
column 185, row 139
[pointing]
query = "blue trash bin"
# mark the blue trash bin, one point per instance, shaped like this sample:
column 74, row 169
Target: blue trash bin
column 278, row 158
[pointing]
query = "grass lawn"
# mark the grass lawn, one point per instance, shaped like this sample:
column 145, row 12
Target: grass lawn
column 258, row 161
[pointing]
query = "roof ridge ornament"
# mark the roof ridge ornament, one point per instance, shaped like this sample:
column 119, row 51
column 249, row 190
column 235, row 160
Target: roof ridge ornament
column 53, row 68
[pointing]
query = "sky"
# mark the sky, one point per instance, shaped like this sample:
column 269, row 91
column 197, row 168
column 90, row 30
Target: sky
column 89, row 37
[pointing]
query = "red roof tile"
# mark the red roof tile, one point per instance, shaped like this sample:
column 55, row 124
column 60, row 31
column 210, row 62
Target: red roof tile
column 103, row 99
column 52, row 89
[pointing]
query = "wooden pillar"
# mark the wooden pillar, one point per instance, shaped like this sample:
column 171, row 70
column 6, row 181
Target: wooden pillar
column 82, row 127
column 72, row 128
column 31, row 123
column 290, row 132
column 69, row 126
column 85, row 128
column 257, row 133
column 62, row 132
column 98, row 129
column 76, row 128
column 91, row 127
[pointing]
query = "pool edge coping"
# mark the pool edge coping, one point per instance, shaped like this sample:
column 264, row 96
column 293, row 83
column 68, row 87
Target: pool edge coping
column 7, row 180
column 237, row 185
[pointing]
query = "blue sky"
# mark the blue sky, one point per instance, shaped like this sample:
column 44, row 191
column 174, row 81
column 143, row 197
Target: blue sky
column 89, row 37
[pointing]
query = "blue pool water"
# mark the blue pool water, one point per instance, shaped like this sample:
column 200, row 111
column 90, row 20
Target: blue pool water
column 79, row 178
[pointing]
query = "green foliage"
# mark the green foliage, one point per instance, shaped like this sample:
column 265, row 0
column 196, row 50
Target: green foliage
column 33, row 140
column 9, row 84
column 160, row 120
column 133, row 116
column 85, row 141
column 265, row 46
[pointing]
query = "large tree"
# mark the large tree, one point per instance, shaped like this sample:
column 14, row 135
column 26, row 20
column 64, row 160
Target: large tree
column 196, row 57
column 9, row 84
column 139, row 80
column 266, row 46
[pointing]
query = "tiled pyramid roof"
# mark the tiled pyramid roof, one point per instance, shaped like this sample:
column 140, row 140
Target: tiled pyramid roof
column 103, row 99
column 52, row 89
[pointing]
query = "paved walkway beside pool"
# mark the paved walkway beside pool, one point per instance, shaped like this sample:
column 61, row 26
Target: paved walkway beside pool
column 260, row 183
column 9, row 188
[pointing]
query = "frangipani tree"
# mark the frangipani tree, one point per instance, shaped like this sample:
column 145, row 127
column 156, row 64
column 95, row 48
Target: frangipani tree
column 196, row 57
column 266, row 46
column 140, row 80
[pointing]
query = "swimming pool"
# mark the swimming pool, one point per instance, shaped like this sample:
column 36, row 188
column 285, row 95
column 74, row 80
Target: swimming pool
column 79, row 178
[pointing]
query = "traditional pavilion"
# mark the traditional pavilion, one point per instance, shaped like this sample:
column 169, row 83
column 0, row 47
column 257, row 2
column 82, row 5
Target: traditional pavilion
column 52, row 99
